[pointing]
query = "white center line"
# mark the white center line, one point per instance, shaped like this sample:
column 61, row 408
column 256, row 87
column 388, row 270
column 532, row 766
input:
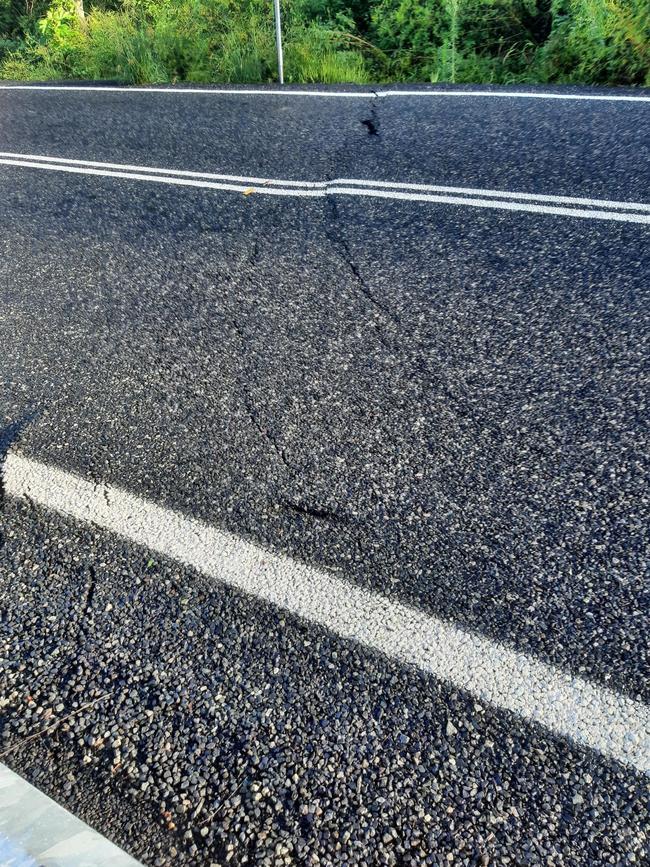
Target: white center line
column 592, row 716
column 335, row 94
column 567, row 206
column 323, row 185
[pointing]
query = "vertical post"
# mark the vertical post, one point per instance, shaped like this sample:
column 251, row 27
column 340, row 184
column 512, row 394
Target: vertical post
column 278, row 40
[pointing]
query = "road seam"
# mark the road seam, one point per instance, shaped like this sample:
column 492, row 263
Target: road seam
column 591, row 716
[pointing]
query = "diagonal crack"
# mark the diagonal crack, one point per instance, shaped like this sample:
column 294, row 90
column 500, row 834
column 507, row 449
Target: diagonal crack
column 362, row 282
column 410, row 349
column 253, row 415
column 342, row 247
column 372, row 123
column 89, row 592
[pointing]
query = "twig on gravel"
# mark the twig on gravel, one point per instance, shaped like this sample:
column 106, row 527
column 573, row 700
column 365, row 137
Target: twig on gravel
column 216, row 812
column 54, row 725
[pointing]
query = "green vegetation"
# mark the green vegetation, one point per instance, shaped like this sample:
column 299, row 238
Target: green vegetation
column 500, row 41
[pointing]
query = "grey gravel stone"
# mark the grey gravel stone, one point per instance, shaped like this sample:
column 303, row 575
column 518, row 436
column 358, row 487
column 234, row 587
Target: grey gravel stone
column 292, row 767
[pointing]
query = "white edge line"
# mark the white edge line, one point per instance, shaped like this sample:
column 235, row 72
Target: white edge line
column 374, row 94
column 592, row 716
column 510, row 94
column 322, row 185
column 40, row 831
column 330, row 189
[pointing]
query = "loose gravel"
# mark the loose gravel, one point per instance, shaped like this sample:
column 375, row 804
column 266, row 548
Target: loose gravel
column 240, row 736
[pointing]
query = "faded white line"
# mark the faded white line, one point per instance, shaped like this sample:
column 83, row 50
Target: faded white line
column 592, row 716
column 35, row 831
column 272, row 187
column 337, row 182
column 346, row 94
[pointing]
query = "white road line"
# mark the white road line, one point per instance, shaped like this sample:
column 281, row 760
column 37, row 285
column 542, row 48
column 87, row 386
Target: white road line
column 35, row 831
column 162, row 179
column 346, row 94
column 495, row 204
column 509, row 201
column 502, row 194
column 338, row 182
column 209, row 176
column 595, row 717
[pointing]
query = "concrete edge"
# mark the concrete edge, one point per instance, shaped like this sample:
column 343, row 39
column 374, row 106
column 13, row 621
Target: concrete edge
column 36, row 832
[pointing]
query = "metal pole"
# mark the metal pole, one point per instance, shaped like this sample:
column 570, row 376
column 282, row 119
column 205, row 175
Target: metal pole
column 278, row 40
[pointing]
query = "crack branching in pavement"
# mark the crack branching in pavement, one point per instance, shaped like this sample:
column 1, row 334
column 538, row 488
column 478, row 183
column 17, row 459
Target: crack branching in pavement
column 253, row 414
column 391, row 330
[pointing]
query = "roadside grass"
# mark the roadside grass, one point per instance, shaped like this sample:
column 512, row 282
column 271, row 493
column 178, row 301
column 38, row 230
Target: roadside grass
column 173, row 47
column 232, row 41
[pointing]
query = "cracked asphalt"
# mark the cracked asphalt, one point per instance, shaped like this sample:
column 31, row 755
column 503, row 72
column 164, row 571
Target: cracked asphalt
column 447, row 405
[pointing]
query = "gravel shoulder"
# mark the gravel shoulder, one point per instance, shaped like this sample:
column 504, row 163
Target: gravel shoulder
column 232, row 734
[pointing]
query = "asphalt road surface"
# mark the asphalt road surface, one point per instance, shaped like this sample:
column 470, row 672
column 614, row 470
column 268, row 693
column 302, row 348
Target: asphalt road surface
column 386, row 346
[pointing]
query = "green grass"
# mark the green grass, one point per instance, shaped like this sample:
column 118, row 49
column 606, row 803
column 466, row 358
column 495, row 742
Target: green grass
column 230, row 41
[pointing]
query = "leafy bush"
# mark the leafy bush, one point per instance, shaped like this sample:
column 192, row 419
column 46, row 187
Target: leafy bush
column 599, row 41
column 461, row 40
column 143, row 41
column 8, row 46
column 317, row 54
column 411, row 33
column 18, row 16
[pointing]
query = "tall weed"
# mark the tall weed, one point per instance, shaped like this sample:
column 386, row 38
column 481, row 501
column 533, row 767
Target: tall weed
column 500, row 41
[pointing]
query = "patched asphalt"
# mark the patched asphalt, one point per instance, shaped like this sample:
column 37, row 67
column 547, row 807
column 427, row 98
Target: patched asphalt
column 445, row 404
